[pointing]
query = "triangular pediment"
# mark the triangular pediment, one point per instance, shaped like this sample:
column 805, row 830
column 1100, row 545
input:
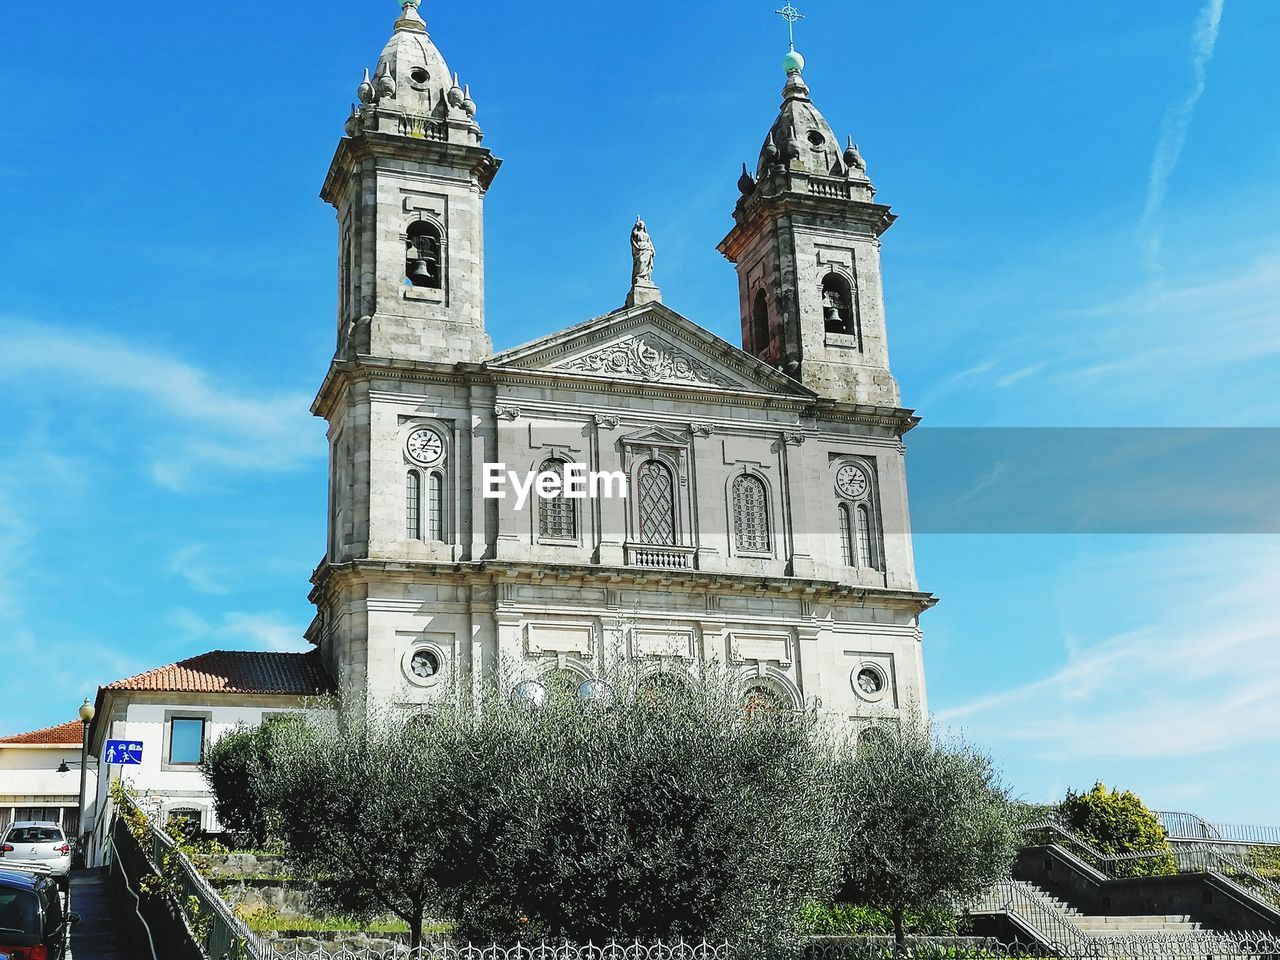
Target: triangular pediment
column 649, row 343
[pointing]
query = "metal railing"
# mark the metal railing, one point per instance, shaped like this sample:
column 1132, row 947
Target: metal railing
column 1234, row 866
column 1189, row 826
column 210, row 922
column 1034, row 912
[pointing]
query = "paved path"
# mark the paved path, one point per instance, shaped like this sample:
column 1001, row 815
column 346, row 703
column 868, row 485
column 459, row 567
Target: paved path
column 93, row 937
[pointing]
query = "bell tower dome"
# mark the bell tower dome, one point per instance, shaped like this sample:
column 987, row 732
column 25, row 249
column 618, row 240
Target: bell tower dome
column 408, row 182
column 806, row 245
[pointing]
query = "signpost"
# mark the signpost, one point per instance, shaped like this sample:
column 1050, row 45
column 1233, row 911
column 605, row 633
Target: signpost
column 124, row 752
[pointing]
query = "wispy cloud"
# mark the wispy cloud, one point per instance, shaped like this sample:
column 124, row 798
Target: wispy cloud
column 192, row 564
column 1173, row 134
column 1200, row 676
column 258, row 631
column 200, row 425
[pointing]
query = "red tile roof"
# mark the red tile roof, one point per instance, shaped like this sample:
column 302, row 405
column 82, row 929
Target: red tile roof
column 64, row 734
column 227, row 671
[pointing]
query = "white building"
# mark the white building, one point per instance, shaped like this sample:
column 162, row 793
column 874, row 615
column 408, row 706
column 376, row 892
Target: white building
column 766, row 522
column 175, row 712
column 40, row 776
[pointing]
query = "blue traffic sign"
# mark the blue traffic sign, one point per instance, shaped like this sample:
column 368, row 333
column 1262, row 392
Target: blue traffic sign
column 123, row 751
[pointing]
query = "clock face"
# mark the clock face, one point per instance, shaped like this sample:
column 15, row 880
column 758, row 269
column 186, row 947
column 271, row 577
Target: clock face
column 851, row 481
column 425, row 446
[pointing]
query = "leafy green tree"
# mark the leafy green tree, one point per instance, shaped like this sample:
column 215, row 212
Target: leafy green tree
column 1118, row 822
column 926, row 823
column 669, row 811
column 675, row 812
column 240, row 770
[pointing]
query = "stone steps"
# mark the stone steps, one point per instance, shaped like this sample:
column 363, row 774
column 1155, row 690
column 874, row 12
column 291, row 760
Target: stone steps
column 1116, row 925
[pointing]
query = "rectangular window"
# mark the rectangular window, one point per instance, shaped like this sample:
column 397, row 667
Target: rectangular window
column 186, row 740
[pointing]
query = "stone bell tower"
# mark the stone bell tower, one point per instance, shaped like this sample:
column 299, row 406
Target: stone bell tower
column 806, row 245
column 408, row 183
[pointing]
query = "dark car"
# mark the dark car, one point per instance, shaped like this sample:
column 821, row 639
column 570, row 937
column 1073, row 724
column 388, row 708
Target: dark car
column 33, row 925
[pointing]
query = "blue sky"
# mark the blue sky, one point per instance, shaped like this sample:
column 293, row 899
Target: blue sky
column 1088, row 237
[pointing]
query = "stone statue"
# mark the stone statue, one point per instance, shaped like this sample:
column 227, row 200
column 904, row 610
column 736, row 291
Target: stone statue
column 642, row 255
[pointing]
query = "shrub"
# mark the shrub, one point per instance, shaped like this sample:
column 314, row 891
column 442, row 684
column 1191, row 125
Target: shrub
column 852, row 920
column 1118, row 822
column 927, row 825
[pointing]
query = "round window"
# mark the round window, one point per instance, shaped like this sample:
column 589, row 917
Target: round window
column 422, row 665
column 419, row 77
column 870, row 682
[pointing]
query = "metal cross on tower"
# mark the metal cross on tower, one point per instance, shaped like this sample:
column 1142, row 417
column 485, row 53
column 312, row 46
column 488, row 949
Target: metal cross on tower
column 790, row 14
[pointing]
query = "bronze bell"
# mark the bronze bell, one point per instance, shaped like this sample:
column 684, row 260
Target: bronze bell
column 421, row 274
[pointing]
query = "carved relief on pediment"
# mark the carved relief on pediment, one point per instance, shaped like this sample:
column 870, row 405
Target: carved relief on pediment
column 647, row 357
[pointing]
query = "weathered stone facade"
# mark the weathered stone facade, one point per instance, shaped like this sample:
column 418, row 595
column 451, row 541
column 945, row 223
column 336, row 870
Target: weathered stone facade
column 766, row 521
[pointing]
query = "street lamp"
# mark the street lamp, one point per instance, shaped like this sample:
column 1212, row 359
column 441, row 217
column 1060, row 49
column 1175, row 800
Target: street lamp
column 86, row 717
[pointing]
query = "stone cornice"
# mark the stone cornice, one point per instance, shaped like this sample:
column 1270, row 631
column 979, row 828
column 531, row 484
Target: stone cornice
column 327, row 576
column 343, row 373
column 479, row 162
column 754, row 213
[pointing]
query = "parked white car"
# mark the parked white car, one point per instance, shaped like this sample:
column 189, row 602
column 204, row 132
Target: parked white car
column 37, row 846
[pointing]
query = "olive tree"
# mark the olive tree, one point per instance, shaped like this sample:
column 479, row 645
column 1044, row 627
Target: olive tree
column 240, row 770
column 925, row 822
column 386, row 813
column 659, row 810
column 673, row 812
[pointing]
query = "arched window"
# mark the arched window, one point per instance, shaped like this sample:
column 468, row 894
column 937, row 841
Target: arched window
column 837, row 305
column 422, row 266
column 344, row 273
column 846, row 535
column 750, row 514
column 760, row 324
column 866, row 555
column 435, row 506
column 760, row 700
column 657, row 504
column 557, row 516
column 858, row 541
column 413, row 505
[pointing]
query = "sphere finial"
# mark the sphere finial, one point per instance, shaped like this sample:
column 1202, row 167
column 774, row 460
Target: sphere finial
column 793, row 62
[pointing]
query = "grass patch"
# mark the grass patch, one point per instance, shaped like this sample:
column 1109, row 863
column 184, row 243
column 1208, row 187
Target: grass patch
column 268, row 920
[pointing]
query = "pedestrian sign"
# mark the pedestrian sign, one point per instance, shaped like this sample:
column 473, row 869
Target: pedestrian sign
column 123, row 751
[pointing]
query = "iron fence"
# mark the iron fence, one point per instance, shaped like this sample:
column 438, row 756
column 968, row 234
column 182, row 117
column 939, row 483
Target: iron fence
column 1137, row 947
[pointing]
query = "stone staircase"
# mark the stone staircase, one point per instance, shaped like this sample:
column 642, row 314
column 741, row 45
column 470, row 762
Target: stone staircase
column 1101, row 925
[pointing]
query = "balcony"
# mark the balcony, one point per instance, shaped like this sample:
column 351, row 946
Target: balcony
column 660, row 557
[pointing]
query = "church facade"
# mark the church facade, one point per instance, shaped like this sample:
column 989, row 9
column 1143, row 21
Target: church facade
column 764, row 524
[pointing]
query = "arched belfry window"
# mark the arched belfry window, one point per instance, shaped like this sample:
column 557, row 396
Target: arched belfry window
column 655, row 488
column 837, row 305
column 760, row 324
column 557, row 516
column 423, row 265
column 750, row 514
